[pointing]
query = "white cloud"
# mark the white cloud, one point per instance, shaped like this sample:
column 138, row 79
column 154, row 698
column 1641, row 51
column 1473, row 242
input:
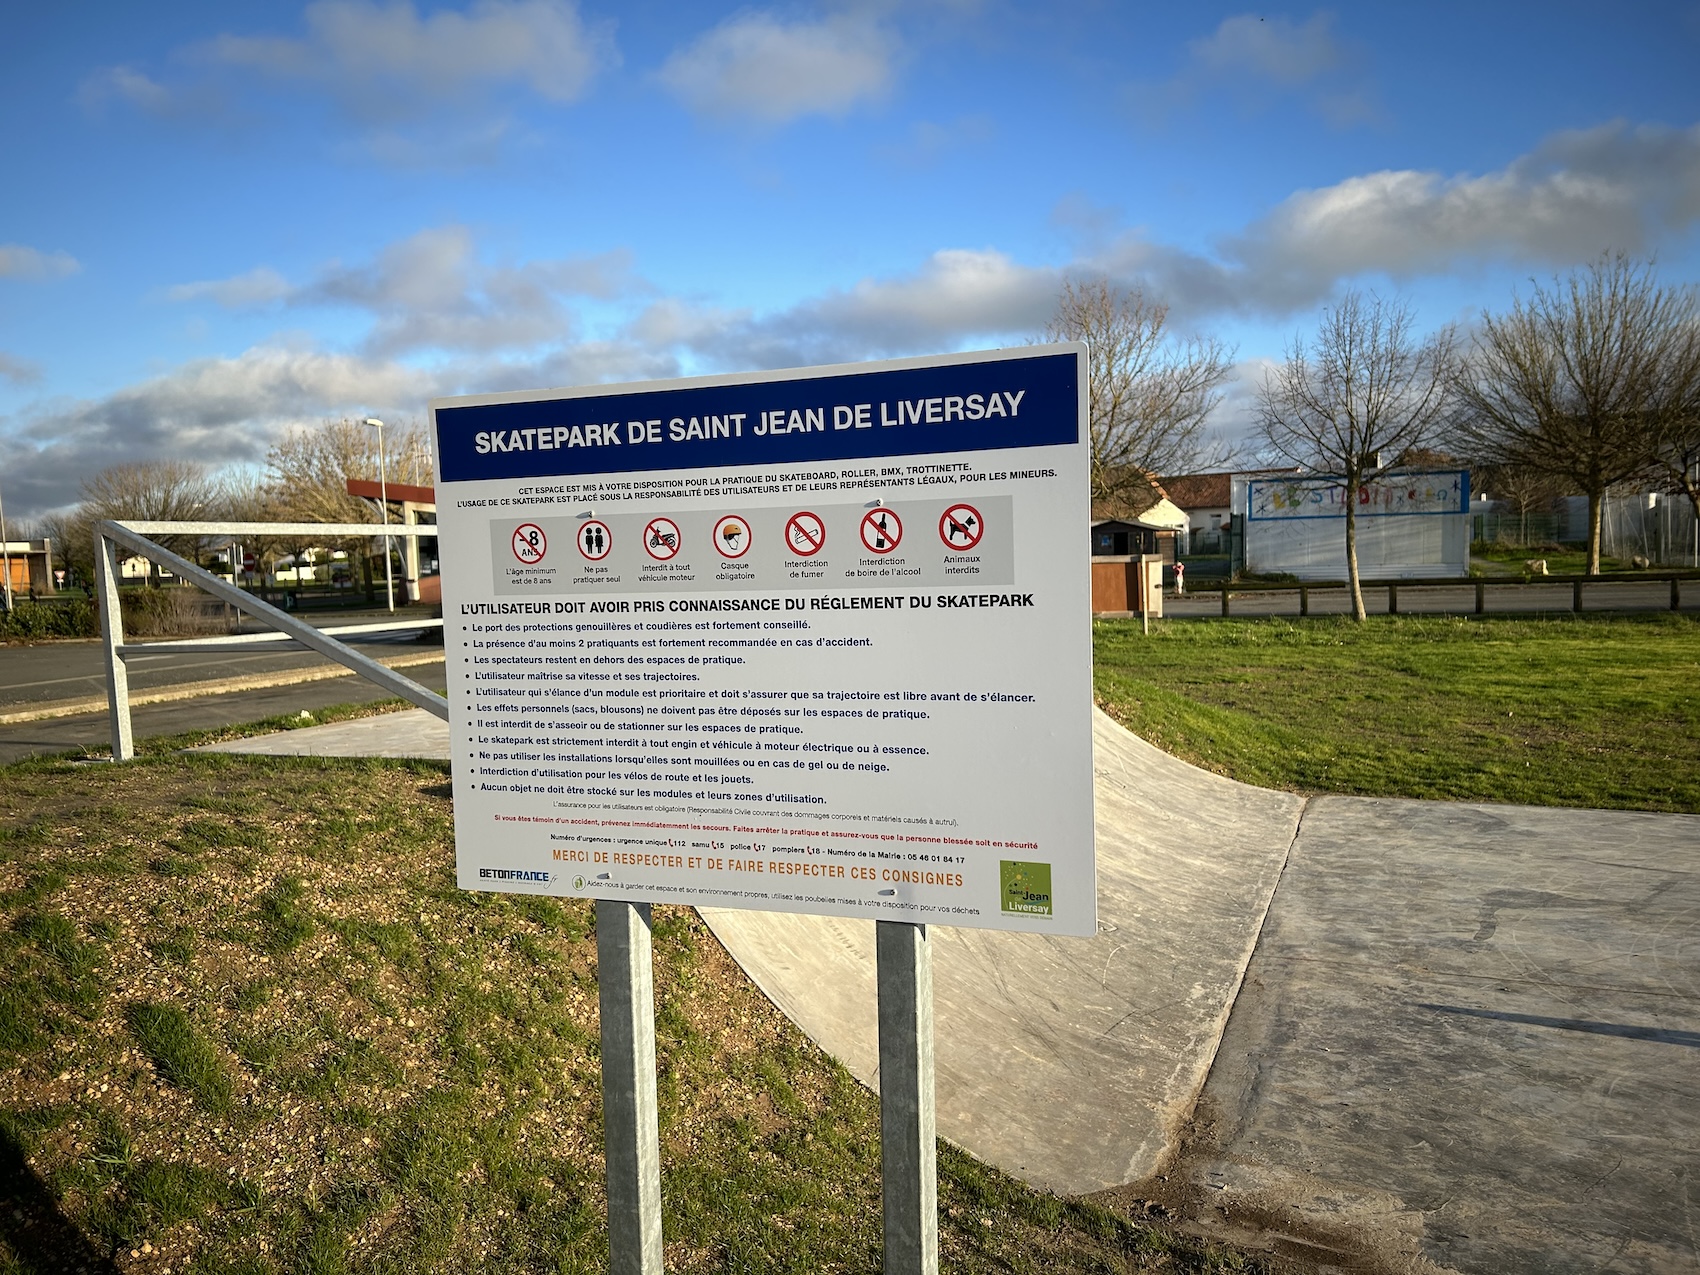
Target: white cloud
column 19, row 261
column 260, row 286
column 1253, row 58
column 755, row 67
column 384, row 61
column 431, row 291
column 1576, row 195
column 18, row 371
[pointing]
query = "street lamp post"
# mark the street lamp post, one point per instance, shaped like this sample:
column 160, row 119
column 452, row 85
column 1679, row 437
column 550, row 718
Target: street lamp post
column 384, row 500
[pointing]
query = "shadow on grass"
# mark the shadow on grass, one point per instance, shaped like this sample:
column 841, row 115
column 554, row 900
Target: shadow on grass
column 40, row 1236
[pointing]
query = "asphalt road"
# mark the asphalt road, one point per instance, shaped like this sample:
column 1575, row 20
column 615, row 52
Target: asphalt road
column 49, row 671
column 206, row 712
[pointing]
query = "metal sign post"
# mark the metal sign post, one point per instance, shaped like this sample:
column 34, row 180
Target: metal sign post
column 908, row 1128
column 625, row 976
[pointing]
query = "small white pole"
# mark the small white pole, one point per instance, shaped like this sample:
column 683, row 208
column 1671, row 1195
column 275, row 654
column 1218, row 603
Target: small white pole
column 384, row 500
column 6, row 558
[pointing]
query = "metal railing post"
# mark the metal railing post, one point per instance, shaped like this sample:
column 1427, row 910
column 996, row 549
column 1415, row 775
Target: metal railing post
column 1224, row 597
column 1304, row 600
column 1675, row 594
column 106, row 566
column 1392, row 599
column 1481, row 598
column 1576, row 594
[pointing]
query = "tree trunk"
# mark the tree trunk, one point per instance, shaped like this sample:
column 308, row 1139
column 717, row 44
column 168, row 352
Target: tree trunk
column 1596, row 503
column 1358, row 612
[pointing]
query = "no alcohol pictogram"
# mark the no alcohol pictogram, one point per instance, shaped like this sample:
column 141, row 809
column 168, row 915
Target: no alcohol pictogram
column 805, row 534
column 960, row 527
column 530, row 544
column 595, row 540
column 882, row 531
column 661, row 539
column 732, row 536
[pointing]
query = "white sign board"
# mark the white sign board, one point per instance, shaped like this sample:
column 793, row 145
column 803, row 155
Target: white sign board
column 803, row 641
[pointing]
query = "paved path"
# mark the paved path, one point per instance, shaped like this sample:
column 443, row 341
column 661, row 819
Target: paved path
column 1370, row 1034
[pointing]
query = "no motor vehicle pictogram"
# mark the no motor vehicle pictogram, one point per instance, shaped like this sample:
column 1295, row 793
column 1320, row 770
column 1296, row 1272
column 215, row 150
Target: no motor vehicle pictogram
column 881, row 531
column 530, row 544
column 661, row 539
column 961, row 526
column 805, row 533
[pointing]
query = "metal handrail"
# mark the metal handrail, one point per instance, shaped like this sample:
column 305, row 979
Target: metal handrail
column 109, row 535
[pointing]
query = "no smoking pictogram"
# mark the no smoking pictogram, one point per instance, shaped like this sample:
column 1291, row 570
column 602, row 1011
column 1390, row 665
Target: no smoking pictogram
column 530, row 544
column 960, row 527
column 661, row 539
column 595, row 540
column 882, row 530
column 732, row 536
column 805, row 534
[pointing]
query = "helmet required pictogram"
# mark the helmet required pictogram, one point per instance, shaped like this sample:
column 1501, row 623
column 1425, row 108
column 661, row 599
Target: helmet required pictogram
column 732, row 536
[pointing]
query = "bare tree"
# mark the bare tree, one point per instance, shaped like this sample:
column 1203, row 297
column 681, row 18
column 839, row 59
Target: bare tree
column 146, row 491
column 1366, row 388
column 1151, row 394
column 1589, row 380
column 311, row 468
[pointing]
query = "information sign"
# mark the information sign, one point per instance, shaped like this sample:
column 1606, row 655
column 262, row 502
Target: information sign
column 818, row 641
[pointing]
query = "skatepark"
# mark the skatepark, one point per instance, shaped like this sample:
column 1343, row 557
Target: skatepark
column 1361, row 1033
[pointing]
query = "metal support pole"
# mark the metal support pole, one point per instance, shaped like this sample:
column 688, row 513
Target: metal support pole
column 630, row 1122
column 6, row 561
column 1481, row 598
column 112, row 637
column 1675, row 594
column 908, row 1130
column 1224, row 597
column 1304, row 600
column 1576, row 595
column 1392, row 599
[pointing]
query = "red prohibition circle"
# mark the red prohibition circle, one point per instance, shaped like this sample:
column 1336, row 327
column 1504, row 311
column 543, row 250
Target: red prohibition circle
column 661, row 539
column 881, row 531
column 732, row 536
column 529, row 543
column 960, row 527
column 805, row 534
column 595, row 541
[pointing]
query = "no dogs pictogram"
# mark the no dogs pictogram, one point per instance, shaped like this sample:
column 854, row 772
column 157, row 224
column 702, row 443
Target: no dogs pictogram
column 595, row 540
column 661, row 539
column 530, row 544
column 882, row 531
column 732, row 535
column 804, row 534
column 960, row 527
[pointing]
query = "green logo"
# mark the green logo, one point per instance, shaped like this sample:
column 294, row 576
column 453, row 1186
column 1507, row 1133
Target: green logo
column 578, row 883
column 1026, row 887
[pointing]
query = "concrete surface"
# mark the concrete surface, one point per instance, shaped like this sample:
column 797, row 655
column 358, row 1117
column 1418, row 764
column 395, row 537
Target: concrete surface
column 411, row 732
column 1073, row 1063
column 1469, row 1040
column 1468, row 1037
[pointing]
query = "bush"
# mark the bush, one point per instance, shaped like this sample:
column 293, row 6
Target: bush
column 29, row 621
column 172, row 612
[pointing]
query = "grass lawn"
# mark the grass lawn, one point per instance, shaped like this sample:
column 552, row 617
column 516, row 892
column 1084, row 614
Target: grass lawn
column 1564, row 561
column 248, row 1024
column 1567, row 711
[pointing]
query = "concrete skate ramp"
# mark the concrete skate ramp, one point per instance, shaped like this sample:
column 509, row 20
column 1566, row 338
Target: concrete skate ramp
column 1072, row 1063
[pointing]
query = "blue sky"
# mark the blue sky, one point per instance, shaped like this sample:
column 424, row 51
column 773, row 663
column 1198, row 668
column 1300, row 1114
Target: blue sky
column 219, row 222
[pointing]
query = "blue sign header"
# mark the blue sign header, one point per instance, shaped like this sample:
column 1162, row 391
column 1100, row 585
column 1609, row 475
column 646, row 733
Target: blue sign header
column 990, row 404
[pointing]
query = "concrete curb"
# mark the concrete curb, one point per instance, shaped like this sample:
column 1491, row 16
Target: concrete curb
column 195, row 690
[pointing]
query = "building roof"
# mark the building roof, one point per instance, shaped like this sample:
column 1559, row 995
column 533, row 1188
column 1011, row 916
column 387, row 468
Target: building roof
column 1200, row 491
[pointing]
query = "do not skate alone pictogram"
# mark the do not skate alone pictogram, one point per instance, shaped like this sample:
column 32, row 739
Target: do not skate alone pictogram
column 595, row 540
